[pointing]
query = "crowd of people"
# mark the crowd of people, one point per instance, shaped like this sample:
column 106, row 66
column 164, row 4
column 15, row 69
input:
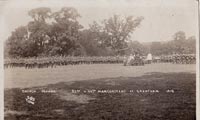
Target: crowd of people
column 133, row 60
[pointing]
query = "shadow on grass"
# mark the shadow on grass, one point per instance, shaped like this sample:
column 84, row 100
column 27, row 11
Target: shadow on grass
column 93, row 102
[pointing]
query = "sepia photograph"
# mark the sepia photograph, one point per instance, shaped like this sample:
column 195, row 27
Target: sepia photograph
column 100, row 59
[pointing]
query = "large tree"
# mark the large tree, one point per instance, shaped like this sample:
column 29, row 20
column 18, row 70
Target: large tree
column 38, row 29
column 179, row 39
column 179, row 44
column 18, row 44
column 179, row 36
column 190, row 45
column 40, row 14
column 119, row 30
column 64, row 31
column 135, row 47
column 38, row 33
column 43, row 37
column 156, row 48
column 89, row 39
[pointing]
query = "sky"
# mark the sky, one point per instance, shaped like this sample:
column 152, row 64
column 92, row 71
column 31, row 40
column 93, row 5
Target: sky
column 162, row 18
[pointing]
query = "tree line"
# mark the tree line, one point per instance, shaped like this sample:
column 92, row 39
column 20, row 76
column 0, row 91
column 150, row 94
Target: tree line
column 60, row 34
column 179, row 44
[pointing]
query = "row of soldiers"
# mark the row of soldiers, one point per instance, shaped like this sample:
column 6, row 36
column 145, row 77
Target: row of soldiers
column 184, row 59
column 46, row 62
column 179, row 59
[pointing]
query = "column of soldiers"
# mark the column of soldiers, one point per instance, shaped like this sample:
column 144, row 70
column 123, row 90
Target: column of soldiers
column 184, row 59
column 51, row 62
column 166, row 58
column 179, row 59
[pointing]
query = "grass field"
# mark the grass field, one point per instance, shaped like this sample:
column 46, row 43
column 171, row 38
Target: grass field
column 21, row 77
column 80, row 92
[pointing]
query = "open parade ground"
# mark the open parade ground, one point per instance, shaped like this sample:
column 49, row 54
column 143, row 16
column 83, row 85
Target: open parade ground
column 160, row 91
column 21, row 77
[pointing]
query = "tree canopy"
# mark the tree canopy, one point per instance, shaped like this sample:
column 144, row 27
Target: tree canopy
column 60, row 33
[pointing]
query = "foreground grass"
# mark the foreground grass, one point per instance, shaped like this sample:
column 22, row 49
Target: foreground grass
column 65, row 105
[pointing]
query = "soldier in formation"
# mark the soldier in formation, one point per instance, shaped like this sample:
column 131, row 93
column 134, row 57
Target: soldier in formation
column 52, row 62
column 179, row 59
column 183, row 59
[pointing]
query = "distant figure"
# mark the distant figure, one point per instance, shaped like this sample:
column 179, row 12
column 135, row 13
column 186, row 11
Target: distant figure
column 149, row 58
column 125, row 61
column 130, row 58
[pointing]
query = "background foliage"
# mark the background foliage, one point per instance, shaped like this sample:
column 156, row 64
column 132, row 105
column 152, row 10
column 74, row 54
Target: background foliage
column 60, row 33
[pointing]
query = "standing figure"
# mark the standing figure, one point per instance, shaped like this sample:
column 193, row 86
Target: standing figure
column 149, row 58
